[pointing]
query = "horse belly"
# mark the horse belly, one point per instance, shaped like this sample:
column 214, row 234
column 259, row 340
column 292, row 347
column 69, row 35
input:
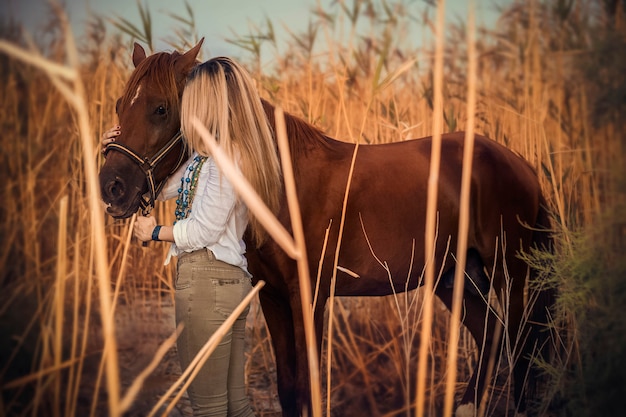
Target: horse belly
column 382, row 244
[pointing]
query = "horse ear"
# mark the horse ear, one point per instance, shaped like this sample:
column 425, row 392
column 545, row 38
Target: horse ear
column 139, row 54
column 186, row 61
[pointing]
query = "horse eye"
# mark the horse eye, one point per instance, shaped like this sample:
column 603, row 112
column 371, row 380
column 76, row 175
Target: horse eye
column 161, row 110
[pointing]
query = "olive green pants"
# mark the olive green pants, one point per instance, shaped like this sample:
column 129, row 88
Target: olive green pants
column 207, row 291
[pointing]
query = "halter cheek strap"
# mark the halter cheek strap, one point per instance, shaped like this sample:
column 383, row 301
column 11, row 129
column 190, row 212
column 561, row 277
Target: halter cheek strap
column 148, row 165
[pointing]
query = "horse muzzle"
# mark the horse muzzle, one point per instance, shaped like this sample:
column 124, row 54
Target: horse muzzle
column 121, row 199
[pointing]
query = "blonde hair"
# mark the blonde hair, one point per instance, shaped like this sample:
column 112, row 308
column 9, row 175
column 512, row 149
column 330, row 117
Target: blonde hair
column 222, row 95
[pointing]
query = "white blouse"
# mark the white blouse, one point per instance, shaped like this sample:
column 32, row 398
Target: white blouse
column 217, row 221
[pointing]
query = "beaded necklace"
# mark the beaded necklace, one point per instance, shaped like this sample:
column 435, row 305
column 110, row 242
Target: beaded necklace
column 187, row 188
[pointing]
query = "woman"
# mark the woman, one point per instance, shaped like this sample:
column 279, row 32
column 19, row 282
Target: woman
column 212, row 276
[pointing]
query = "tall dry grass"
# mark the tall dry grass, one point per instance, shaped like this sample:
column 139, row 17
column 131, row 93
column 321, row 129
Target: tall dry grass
column 356, row 73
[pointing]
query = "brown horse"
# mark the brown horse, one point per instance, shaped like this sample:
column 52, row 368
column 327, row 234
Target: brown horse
column 386, row 206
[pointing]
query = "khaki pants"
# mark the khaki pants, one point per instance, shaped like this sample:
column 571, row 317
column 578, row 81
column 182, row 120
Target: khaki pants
column 207, row 291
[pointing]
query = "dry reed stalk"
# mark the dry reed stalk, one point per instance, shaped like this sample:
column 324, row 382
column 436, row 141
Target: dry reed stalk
column 558, row 196
column 203, row 354
column 340, row 74
column 75, row 372
column 333, row 281
column 40, row 374
column 52, row 69
column 120, row 273
column 319, row 266
column 59, row 301
column 463, row 228
column 431, row 211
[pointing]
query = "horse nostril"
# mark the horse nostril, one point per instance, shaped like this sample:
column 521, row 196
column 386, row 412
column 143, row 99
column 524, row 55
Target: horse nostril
column 115, row 189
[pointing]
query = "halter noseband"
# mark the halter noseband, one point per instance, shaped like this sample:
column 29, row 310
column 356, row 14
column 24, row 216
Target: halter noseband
column 147, row 166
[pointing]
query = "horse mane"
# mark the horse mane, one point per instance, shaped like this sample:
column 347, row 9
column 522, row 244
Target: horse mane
column 300, row 134
column 158, row 68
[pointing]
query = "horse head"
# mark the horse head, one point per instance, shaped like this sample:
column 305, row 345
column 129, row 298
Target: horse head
column 150, row 147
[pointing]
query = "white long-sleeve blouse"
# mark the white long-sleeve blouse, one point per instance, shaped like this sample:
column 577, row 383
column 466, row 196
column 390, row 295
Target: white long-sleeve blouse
column 217, row 221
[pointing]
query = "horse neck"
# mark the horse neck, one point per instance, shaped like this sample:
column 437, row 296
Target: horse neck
column 303, row 137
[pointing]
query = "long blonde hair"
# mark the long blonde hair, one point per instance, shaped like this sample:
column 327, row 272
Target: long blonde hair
column 222, row 95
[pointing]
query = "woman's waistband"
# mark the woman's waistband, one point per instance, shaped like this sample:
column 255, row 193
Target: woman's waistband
column 195, row 255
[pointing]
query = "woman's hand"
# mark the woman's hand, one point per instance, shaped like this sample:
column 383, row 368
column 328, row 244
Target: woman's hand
column 144, row 225
column 109, row 136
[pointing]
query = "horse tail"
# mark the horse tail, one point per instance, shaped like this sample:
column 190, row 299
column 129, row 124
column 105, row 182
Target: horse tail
column 542, row 297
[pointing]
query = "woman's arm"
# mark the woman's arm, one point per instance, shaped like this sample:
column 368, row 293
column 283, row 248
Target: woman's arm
column 212, row 206
column 145, row 229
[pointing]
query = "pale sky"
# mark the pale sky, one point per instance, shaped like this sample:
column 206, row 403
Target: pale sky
column 215, row 19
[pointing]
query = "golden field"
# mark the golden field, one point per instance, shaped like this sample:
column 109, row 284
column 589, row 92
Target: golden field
column 84, row 308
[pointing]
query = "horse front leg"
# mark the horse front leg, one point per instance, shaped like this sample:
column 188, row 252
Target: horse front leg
column 278, row 316
column 303, row 376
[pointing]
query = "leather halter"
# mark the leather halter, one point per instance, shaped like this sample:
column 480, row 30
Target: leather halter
column 148, row 165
